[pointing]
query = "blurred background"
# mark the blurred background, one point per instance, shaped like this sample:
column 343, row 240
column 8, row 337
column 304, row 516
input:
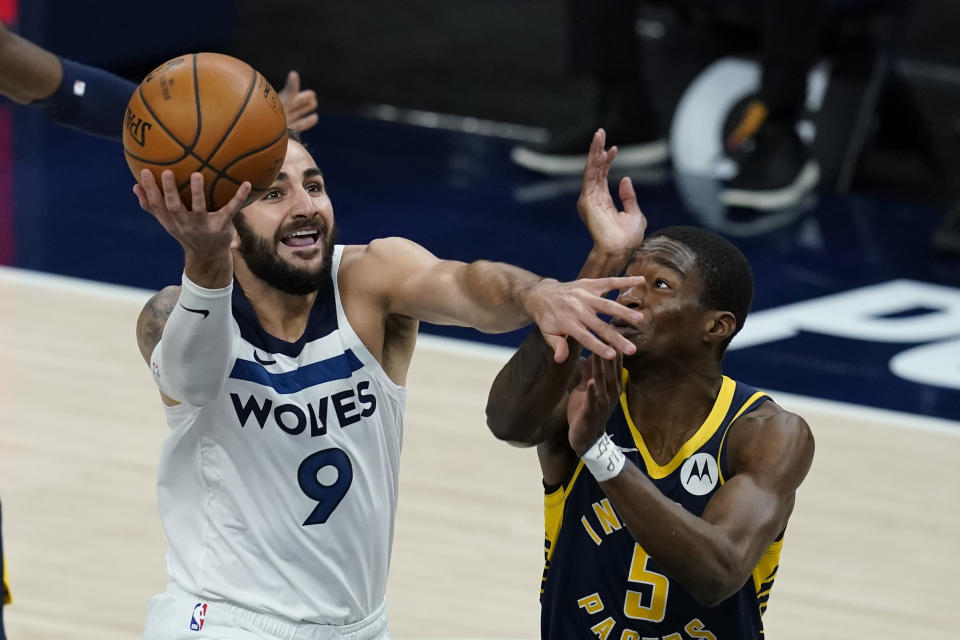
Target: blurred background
column 423, row 104
column 461, row 124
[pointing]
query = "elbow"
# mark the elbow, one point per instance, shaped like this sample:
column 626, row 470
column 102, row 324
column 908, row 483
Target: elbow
column 711, row 595
column 195, row 395
column 501, row 427
column 714, row 587
column 507, row 427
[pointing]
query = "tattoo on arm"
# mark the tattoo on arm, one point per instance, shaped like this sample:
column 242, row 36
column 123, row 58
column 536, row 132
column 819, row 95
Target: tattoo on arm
column 153, row 318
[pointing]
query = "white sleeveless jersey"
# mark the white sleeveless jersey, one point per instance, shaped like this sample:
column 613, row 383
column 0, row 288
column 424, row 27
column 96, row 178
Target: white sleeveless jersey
column 280, row 494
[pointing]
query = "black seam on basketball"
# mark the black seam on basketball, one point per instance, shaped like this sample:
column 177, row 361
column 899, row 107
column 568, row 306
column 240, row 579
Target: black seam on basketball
column 250, row 153
column 226, row 134
column 196, row 101
column 219, row 174
column 158, row 162
column 224, row 174
column 187, row 150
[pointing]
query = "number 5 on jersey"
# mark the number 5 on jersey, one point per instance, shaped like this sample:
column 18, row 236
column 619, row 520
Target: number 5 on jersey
column 650, row 603
column 328, row 496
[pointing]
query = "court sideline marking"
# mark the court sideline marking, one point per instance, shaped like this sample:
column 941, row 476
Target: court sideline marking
column 493, row 353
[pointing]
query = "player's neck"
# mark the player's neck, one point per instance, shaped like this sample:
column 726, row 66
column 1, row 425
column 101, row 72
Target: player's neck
column 669, row 407
column 282, row 315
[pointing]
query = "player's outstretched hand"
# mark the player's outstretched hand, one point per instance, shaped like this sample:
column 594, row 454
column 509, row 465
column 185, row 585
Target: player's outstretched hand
column 591, row 402
column 613, row 231
column 571, row 310
column 300, row 105
column 200, row 232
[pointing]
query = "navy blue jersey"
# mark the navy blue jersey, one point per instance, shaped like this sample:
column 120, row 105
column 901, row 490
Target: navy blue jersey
column 599, row 583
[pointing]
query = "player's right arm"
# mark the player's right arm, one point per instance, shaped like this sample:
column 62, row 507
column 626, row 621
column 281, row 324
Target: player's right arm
column 32, row 75
column 150, row 324
column 528, row 398
column 191, row 351
column 27, row 72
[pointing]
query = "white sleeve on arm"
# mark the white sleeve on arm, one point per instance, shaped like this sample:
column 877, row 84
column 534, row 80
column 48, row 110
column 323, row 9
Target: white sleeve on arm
column 193, row 358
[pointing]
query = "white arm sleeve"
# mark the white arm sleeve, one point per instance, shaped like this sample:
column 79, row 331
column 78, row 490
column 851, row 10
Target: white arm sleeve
column 193, row 358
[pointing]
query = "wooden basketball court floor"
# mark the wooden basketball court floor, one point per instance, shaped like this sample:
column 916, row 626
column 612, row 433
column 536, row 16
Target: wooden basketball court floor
column 872, row 550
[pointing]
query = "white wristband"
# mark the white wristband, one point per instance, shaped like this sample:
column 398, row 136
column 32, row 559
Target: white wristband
column 604, row 459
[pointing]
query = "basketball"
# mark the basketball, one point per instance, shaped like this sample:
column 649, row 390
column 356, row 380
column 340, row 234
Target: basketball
column 210, row 113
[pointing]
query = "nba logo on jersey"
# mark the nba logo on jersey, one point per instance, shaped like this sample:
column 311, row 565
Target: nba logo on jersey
column 199, row 613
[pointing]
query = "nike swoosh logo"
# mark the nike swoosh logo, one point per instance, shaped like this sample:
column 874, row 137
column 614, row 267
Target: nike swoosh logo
column 203, row 312
column 263, row 362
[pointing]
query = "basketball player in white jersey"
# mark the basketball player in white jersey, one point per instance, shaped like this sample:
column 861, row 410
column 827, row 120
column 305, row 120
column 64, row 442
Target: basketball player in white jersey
column 281, row 362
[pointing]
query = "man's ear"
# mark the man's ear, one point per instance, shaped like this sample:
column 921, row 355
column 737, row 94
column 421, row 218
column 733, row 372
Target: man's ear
column 718, row 326
column 235, row 243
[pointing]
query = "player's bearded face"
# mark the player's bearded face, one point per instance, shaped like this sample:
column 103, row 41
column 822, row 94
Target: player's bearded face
column 264, row 260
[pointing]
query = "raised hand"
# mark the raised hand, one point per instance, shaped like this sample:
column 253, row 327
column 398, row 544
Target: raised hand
column 591, row 402
column 300, row 106
column 571, row 310
column 613, row 231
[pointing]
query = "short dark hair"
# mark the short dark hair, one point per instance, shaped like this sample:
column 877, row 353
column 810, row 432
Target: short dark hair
column 727, row 276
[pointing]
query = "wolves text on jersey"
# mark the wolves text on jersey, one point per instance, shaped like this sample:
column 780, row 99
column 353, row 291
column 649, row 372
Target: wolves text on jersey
column 347, row 406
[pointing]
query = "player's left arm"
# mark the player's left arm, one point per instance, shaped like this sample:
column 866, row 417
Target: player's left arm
column 495, row 297
column 769, row 452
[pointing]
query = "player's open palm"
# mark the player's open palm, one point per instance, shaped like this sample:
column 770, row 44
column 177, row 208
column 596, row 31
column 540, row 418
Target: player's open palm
column 613, row 230
column 300, row 105
column 591, row 402
column 200, row 232
column 572, row 310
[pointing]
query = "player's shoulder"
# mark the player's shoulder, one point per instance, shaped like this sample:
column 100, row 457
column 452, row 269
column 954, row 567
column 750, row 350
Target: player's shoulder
column 153, row 317
column 387, row 248
column 772, row 433
column 383, row 257
column 768, row 418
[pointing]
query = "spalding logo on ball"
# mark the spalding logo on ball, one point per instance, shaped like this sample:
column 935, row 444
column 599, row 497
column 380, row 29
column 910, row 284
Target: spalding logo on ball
column 210, row 113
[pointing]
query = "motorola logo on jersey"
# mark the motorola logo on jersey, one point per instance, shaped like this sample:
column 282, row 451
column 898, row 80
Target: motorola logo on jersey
column 347, row 406
column 699, row 474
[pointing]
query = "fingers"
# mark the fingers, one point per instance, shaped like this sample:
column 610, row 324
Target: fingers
column 304, row 123
column 601, row 286
column 611, row 337
column 628, row 197
column 609, row 373
column 591, row 342
column 236, row 201
column 292, row 85
column 612, row 343
column 612, row 308
column 595, row 158
column 559, row 345
column 301, row 104
column 198, row 201
column 149, row 185
column 171, row 195
column 141, row 197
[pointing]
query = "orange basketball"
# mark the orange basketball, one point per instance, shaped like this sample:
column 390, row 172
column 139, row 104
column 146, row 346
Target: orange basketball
column 210, row 113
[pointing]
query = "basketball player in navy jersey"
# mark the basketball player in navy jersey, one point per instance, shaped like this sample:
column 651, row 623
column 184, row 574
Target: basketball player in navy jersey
column 281, row 362
column 92, row 100
column 668, row 485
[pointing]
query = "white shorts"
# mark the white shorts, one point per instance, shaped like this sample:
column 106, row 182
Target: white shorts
column 180, row 615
